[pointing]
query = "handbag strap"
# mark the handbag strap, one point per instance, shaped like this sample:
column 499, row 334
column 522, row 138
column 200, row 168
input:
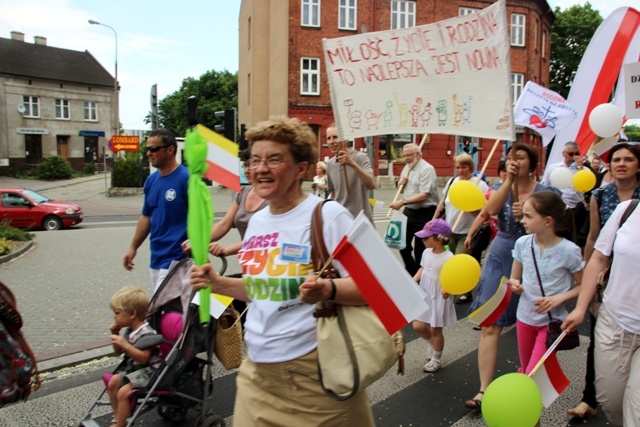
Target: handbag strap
column 448, row 187
column 535, row 264
column 319, row 252
column 319, row 256
column 625, row 216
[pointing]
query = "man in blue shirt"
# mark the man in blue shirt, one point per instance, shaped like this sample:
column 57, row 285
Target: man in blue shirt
column 164, row 213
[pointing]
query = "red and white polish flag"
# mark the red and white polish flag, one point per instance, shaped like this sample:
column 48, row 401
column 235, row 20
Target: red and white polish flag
column 222, row 159
column 615, row 42
column 551, row 380
column 489, row 312
column 386, row 286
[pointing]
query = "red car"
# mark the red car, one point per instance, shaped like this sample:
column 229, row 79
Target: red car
column 25, row 208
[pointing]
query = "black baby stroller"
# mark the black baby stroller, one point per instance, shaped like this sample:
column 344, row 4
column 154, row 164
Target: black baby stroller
column 182, row 382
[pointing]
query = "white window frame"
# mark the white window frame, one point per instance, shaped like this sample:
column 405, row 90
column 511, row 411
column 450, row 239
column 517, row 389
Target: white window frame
column 308, row 75
column 31, row 106
column 62, row 109
column 89, row 108
column 312, row 10
column 517, row 85
column 518, row 29
column 347, row 9
column 543, row 49
column 403, row 14
column 463, row 11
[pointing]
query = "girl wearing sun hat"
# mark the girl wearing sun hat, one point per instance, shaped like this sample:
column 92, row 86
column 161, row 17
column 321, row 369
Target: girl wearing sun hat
column 441, row 311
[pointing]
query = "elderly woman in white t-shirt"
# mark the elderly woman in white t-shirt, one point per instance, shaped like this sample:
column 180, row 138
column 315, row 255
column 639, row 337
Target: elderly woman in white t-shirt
column 464, row 170
column 617, row 334
column 278, row 382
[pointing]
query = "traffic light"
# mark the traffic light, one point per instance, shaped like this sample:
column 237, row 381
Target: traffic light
column 228, row 126
column 466, row 146
column 243, row 141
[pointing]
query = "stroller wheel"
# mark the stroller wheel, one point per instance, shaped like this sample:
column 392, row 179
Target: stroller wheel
column 172, row 413
column 209, row 421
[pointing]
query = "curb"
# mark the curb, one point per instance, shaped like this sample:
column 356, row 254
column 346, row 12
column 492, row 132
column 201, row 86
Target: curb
column 74, row 359
column 17, row 253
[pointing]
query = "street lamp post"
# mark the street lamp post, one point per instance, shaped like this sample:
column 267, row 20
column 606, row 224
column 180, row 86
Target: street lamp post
column 116, row 126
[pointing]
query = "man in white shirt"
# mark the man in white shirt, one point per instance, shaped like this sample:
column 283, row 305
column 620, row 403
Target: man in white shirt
column 420, row 199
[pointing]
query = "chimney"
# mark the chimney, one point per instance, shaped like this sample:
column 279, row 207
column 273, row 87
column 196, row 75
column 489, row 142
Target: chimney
column 40, row 40
column 17, row 35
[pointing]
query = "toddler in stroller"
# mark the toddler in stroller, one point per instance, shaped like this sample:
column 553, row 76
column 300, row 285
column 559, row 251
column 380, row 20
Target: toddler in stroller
column 179, row 383
column 139, row 344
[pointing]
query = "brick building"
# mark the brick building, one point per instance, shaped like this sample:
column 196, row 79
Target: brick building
column 52, row 101
column 281, row 70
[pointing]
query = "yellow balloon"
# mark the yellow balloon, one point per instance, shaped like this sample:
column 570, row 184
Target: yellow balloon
column 466, row 196
column 584, row 180
column 460, row 274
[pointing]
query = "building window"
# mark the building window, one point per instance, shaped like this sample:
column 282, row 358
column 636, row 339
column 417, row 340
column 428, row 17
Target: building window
column 403, row 14
column 310, row 13
column 347, row 15
column 62, row 109
column 544, row 44
column 535, row 34
column 309, row 76
column 466, row 11
column 517, row 84
column 90, row 111
column 31, row 106
column 517, row 29
column 249, row 89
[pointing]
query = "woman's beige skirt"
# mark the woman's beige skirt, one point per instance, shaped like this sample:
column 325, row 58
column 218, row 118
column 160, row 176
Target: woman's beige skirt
column 289, row 394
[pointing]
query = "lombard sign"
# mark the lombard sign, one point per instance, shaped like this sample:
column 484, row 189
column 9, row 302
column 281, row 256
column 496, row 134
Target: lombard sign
column 32, row 131
column 124, row 143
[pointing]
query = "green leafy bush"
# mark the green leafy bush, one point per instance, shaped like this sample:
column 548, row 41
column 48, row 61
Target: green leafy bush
column 89, row 169
column 11, row 233
column 129, row 171
column 54, row 167
column 5, row 246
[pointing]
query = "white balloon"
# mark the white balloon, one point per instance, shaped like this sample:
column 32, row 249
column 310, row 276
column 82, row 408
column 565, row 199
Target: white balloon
column 561, row 178
column 605, row 120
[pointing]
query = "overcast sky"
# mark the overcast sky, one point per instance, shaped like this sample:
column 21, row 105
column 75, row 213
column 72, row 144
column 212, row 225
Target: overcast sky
column 159, row 42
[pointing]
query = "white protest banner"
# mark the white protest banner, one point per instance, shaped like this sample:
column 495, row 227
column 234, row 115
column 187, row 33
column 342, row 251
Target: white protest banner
column 543, row 111
column 451, row 77
column 632, row 90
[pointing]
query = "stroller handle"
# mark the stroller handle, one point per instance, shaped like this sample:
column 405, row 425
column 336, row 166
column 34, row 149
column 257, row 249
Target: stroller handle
column 223, row 266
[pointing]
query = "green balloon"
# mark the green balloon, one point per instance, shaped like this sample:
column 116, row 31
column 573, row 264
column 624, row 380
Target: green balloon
column 512, row 400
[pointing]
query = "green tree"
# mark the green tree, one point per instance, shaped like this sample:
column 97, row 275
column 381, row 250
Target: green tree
column 632, row 132
column 570, row 36
column 216, row 91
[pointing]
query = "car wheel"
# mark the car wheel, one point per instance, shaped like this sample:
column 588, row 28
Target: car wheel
column 51, row 223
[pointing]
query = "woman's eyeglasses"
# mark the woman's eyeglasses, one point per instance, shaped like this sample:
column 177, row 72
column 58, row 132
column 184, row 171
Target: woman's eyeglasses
column 156, row 148
column 271, row 163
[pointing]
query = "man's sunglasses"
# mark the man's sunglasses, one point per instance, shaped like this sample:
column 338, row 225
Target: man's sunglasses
column 573, row 153
column 156, row 148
